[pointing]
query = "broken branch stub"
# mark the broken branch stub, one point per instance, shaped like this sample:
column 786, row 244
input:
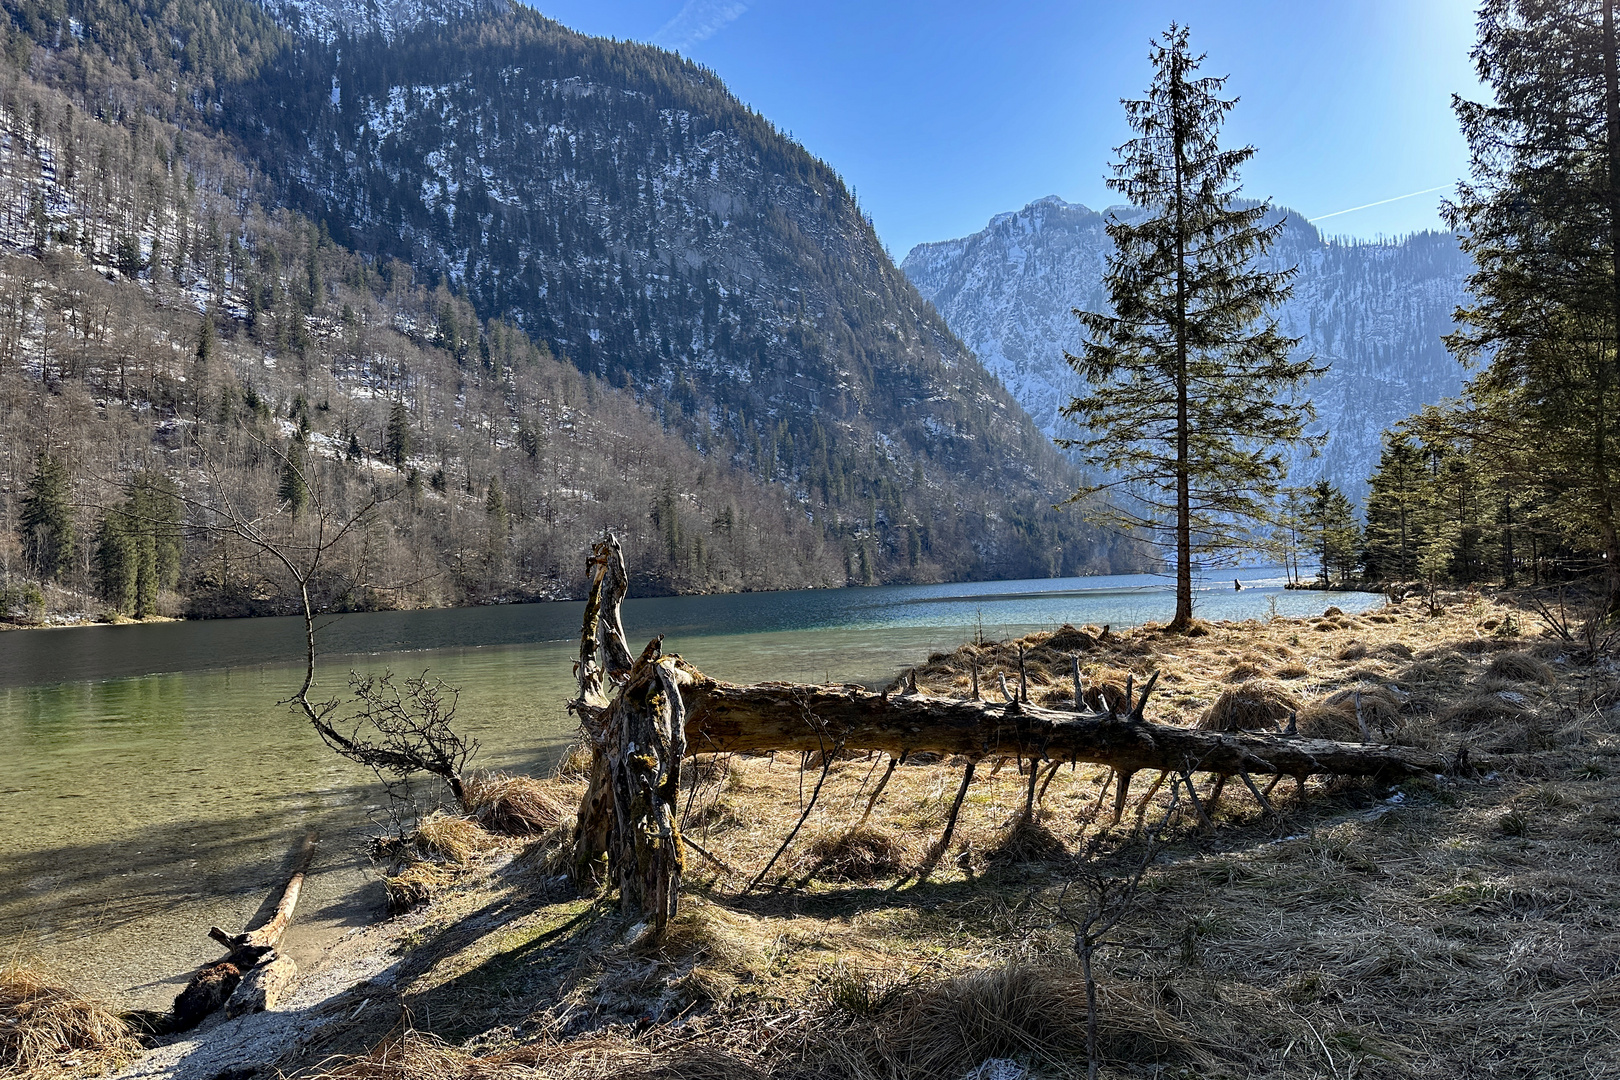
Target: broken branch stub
column 627, row 823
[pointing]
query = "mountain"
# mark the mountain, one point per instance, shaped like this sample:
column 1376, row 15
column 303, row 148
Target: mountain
column 620, row 205
column 1374, row 312
column 585, row 286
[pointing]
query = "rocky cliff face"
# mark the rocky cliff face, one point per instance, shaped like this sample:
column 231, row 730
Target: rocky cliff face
column 1374, row 312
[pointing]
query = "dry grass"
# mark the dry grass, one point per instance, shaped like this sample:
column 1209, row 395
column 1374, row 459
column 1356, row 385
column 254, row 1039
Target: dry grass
column 1254, row 706
column 515, row 805
column 1518, row 667
column 1026, row 842
column 859, row 854
column 1355, row 650
column 456, row 839
column 1462, row 929
column 49, row 1031
column 416, row 884
column 1031, row 1013
column 1502, row 722
column 575, row 764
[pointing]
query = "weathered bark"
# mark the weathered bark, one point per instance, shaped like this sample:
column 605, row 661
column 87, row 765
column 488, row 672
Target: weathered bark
column 645, row 741
column 262, row 986
column 722, row 718
column 603, row 659
column 217, row 983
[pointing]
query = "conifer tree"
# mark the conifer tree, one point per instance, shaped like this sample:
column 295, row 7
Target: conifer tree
column 1541, row 218
column 115, row 563
column 1398, row 490
column 397, row 436
column 1188, row 407
column 293, row 489
column 1330, row 526
column 48, row 532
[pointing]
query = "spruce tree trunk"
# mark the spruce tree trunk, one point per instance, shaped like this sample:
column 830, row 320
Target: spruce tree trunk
column 1611, row 534
column 1184, row 613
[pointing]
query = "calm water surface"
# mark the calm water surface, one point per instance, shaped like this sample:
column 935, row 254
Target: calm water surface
column 151, row 786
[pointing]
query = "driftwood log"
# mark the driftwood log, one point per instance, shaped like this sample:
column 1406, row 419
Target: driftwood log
column 637, row 745
column 252, row 976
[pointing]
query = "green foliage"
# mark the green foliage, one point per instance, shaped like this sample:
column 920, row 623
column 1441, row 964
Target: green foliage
column 293, row 488
column 1331, row 532
column 397, row 436
column 48, row 532
column 1186, row 411
column 21, row 602
column 1541, row 218
column 1396, row 502
column 139, row 549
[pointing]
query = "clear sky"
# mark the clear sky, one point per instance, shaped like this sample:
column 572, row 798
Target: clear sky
column 942, row 113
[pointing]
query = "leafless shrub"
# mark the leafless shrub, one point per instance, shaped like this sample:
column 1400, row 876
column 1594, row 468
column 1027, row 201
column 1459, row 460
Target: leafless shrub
column 1590, row 626
column 399, row 733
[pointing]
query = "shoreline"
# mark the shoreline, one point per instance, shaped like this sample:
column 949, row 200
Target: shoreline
column 502, row 959
column 94, row 621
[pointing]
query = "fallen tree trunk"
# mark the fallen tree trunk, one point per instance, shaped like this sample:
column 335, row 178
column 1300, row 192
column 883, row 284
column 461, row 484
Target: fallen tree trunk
column 253, row 975
column 721, row 718
column 627, row 818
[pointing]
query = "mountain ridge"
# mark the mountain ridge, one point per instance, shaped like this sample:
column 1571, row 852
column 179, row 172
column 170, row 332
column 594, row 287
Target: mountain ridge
column 1373, row 311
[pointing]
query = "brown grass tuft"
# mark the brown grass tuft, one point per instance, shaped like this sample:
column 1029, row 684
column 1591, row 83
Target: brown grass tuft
column 418, row 883
column 1023, row 1011
column 861, row 854
column 1026, row 842
column 1293, row 670
column 1520, row 667
column 1355, row 650
column 1334, row 717
column 513, row 805
column 45, row 1027
column 1069, row 639
column 1243, row 671
column 1500, row 722
column 456, row 839
column 1251, row 707
column 575, row 764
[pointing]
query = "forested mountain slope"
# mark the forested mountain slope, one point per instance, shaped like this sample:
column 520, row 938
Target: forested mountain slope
column 579, row 283
column 620, row 205
column 1374, row 312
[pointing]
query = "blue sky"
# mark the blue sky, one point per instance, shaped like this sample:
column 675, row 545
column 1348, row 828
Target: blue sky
column 941, row 114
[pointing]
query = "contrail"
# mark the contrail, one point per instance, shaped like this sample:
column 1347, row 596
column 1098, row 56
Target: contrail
column 1380, row 202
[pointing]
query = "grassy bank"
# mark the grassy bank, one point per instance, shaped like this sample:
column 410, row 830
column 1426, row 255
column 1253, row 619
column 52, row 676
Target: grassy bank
column 1452, row 927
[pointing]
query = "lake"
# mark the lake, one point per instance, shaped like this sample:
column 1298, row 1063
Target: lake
column 152, row 786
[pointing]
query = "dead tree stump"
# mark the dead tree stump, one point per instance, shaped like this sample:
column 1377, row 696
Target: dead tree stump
column 646, row 739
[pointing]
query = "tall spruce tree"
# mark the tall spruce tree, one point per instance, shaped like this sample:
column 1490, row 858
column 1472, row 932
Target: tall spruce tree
column 1188, row 407
column 48, row 532
column 397, row 436
column 1331, row 531
column 1541, row 218
column 1398, row 490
